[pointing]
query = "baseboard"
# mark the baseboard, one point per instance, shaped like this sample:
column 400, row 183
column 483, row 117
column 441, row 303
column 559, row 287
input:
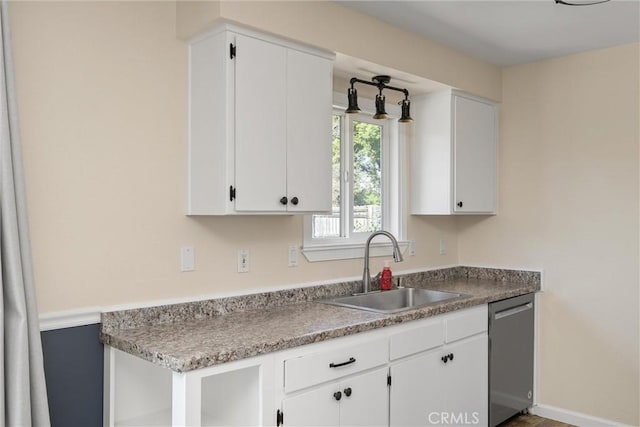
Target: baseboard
column 571, row 417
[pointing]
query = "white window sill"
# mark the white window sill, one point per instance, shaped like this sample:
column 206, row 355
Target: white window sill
column 332, row 252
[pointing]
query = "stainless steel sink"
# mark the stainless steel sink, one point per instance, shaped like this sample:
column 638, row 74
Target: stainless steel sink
column 393, row 301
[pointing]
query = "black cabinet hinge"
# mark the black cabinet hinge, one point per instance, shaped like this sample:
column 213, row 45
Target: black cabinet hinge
column 232, row 50
column 389, row 380
column 279, row 418
column 232, row 193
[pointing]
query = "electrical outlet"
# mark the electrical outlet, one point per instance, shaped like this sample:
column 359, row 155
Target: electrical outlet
column 443, row 247
column 412, row 248
column 243, row 261
column 293, row 256
column 187, row 259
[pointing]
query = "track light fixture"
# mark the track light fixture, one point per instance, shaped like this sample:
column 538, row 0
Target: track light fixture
column 381, row 82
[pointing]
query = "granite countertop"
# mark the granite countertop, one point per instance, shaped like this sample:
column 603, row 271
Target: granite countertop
column 189, row 336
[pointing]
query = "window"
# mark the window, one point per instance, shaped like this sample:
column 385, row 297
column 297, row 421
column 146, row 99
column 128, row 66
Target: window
column 357, row 192
column 366, row 194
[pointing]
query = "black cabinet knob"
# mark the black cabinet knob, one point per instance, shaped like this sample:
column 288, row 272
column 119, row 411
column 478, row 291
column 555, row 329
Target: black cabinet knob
column 337, row 395
column 347, row 391
column 459, row 204
column 294, row 201
column 284, row 200
column 447, row 357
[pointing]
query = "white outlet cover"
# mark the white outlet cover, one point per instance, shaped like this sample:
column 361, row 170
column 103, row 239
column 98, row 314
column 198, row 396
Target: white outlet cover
column 412, row 248
column 187, row 259
column 443, row 247
column 293, row 256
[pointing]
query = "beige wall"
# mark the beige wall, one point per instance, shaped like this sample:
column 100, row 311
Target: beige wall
column 568, row 204
column 102, row 104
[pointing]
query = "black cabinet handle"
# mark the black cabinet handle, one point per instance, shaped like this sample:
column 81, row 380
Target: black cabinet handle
column 294, row 201
column 347, row 391
column 460, row 204
column 451, row 356
column 337, row 395
column 445, row 358
column 284, row 200
column 348, row 362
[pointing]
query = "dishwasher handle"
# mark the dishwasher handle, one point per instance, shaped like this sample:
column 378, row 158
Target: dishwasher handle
column 511, row 311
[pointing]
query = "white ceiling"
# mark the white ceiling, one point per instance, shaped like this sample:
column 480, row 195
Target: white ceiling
column 511, row 32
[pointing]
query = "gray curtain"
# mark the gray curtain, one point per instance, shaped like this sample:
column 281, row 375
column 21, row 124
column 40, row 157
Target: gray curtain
column 23, row 395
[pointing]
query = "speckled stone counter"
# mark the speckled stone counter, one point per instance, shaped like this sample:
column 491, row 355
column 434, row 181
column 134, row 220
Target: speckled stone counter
column 184, row 337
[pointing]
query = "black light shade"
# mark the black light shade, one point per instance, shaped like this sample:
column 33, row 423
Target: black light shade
column 380, row 110
column 352, row 97
column 382, row 83
column 405, row 105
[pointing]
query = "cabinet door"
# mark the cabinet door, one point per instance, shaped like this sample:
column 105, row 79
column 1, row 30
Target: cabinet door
column 465, row 382
column 309, row 110
column 416, row 390
column 317, row 407
column 260, row 126
column 475, row 156
column 365, row 400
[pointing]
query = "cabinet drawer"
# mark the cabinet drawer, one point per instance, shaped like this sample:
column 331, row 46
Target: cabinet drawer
column 315, row 368
column 427, row 335
column 466, row 323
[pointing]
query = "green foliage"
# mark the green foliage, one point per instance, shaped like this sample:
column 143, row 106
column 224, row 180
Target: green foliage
column 366, row 173
column 335, row 159
column 366, row 164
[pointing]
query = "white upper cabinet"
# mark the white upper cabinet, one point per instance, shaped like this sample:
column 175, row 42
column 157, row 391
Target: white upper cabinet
column 309, row 111
column 259, row 125
column 261, row 119
column 453, row 161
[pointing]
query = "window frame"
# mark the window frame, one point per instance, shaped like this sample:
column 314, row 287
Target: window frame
column 393, row 194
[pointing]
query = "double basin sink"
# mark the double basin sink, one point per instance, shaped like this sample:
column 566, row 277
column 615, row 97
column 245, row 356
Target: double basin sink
column 393, row 301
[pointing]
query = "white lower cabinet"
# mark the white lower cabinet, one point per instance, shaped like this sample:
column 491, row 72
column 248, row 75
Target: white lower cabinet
column 140, row 393
column 426, row 390
column 361, row 400
column 443, row 384
column 415, row 390
column 341, row 382
column 464, row 382
column 426, row 372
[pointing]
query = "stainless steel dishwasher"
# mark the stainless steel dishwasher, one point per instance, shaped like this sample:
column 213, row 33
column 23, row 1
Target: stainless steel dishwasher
column 511, row 323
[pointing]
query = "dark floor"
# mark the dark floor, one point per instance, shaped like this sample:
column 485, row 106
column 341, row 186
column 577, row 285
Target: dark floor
column 532, row 421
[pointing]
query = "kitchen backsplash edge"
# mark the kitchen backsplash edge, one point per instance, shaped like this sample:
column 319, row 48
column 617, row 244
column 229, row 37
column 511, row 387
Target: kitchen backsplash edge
column 163, row 314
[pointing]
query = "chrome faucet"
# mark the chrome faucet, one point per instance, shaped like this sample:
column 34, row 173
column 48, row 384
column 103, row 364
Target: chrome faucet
column 397, row 257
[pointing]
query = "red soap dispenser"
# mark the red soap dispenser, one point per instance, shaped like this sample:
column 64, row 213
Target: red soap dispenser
column 386, row 277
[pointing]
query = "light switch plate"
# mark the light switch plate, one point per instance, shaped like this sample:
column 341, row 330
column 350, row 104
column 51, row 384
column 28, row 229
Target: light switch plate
column 243, row 261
